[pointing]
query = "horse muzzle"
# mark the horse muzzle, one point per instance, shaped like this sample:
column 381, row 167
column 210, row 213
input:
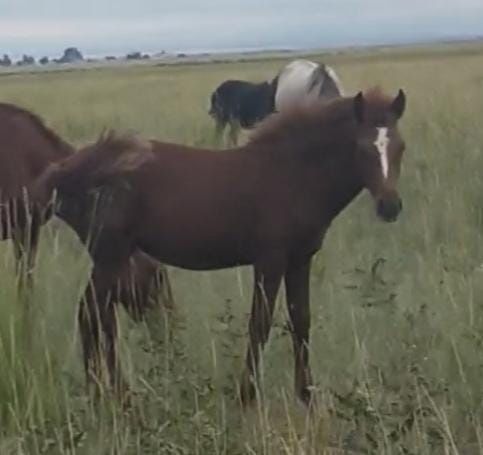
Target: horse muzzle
column 388, row 209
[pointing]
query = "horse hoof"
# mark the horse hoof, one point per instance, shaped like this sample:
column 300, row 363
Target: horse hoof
column 306, row 396
column 248, row 391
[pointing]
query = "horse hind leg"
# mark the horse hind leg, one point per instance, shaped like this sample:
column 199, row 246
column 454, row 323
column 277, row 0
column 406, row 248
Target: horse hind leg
column 233, row 133
column 159, row 308
column 164, row 288
column 25, row 243
column 219, row 130
column 24, row 229
column 25, row 232
column 98, row 326
column 145, row 285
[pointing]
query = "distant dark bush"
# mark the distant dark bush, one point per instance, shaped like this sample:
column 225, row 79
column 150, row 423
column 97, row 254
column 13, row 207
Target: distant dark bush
column 134, row 56
column 5, row 60
column 26, row 60
column 71, row 55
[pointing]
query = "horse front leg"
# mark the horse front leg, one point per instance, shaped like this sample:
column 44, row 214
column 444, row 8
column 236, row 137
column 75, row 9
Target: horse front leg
column 268, row 277
column 297, row 292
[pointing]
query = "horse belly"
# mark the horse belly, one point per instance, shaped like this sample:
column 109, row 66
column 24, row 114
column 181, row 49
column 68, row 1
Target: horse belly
column 199, row 255
column 197, row 245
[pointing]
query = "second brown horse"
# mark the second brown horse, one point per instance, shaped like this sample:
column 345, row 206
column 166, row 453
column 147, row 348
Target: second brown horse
column 266, row 204
column 27, row 147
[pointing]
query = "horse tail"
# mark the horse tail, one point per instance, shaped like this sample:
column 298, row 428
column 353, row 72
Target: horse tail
column 112, row 156
column 213, row 103
column 317, row 78
column 326, row 80
column 99, row 164
column 273, row 91
column 332, row 83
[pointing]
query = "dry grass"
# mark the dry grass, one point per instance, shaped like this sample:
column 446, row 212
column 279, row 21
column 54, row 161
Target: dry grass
column 397, row 352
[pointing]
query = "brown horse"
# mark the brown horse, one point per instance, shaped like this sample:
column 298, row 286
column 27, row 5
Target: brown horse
column 27, row 147
column 266, row 204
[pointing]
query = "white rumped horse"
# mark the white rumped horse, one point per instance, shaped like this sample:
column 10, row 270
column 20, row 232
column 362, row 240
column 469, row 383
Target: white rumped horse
column 303, row 81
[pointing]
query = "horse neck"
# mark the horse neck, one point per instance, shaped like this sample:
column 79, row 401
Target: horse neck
column 63, row 149
column 343, row 190
column 334, row 181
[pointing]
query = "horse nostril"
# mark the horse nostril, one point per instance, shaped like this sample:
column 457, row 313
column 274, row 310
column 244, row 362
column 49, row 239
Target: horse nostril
column 380, row 206
column 389, row 209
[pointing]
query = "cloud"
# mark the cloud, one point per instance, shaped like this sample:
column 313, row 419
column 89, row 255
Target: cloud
column 157, row 10
column 25, row 29
column 190, row 24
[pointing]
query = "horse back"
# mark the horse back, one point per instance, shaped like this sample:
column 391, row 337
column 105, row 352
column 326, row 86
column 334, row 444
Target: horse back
column 27, row 147
column 302, row 82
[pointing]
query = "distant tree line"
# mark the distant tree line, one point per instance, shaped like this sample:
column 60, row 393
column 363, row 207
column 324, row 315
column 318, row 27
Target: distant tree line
column 70, row 55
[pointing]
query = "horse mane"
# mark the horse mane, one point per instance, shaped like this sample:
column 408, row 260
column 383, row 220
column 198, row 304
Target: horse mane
column 57, row 142
column 302, row 123
column 309, row 124
column 332, row 75
column 109, row 159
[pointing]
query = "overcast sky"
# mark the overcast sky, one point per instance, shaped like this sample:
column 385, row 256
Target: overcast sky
column 115, row 26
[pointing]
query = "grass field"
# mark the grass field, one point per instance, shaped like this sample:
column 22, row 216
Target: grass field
column 397, row 309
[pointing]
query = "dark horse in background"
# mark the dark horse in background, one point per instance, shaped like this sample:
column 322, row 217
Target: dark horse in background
column 27, row 148
column 241, row 104
column 244, row 104
column 268, row 204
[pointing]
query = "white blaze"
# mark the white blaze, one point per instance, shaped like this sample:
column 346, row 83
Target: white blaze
column 381, row 143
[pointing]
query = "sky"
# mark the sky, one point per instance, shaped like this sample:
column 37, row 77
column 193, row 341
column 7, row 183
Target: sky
column 98, row 27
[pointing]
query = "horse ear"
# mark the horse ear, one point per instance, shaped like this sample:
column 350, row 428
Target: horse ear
column 399, row 104
column 359, row 107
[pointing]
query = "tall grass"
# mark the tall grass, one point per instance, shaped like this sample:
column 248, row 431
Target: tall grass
column 397, row 309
